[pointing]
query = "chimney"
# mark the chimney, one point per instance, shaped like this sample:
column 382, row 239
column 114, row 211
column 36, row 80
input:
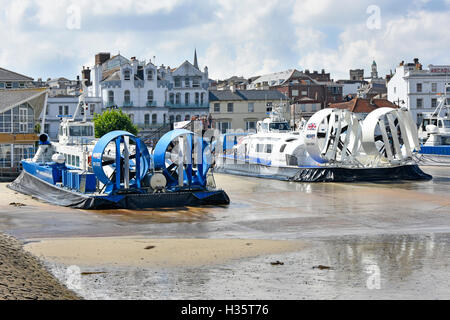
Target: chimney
column 102, row 57
column 86, row 75
column 402, row 63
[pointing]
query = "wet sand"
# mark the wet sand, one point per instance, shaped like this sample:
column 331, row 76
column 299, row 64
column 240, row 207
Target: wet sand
column 22, row 277
column 155, row 252
column 376, row 241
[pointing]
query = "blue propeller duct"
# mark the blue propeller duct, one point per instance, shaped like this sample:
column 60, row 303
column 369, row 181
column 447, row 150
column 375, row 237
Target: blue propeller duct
column 180, row 152
column 128, row 169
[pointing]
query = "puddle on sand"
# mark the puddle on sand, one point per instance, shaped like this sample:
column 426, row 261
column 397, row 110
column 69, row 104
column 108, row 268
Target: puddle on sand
column 380, row 267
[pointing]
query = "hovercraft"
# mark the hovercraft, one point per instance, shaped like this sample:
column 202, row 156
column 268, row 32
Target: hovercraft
column 335, row 145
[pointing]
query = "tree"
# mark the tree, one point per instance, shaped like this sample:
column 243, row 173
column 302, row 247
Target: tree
column 112, row 120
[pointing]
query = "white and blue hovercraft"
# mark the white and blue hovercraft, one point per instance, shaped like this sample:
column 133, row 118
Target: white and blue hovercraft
column 117, row 171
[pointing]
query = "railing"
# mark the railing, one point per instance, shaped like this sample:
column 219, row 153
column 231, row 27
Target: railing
column 127, row 104
column 110, row 104
column 186, row 106
column 151, row 104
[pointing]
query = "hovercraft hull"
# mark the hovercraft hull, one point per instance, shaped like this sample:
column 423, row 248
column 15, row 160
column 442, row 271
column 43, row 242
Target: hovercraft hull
column 325, row 174
column 30, row 185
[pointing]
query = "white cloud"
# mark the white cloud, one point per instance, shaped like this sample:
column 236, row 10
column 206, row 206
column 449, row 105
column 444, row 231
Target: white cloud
column 233, row 37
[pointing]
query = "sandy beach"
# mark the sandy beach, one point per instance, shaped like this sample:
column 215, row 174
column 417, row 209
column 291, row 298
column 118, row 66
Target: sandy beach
column 22, row 277
column 155, row 252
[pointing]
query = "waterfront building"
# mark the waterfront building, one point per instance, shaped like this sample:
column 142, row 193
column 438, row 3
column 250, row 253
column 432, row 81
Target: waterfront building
column 242, row 109
column 418, row 89
column 152, row 96
column 63, row 87
column 20, row 106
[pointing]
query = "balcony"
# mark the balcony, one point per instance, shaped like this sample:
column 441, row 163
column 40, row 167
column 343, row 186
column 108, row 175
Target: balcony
column 110, row 104
column 151, row 104
column 187, row 106
column 127, row 104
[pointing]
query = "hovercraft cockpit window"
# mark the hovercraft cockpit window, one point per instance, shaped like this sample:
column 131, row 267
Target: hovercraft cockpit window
column 81, row 131
column 280, row 126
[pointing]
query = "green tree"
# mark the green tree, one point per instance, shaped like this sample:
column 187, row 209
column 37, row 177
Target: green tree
column 112, row 120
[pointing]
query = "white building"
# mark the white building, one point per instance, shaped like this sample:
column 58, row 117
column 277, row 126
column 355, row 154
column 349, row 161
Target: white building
column 152, row 96
column 418, row 89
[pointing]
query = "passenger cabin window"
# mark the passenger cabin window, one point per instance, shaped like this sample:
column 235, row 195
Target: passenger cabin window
column 280, row 126
column 269, row 148
column 283, row 147
column 81, row 131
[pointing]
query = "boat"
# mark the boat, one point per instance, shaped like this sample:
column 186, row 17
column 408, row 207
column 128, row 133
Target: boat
column 333, row 146
column 118, row 171
column 434, row 134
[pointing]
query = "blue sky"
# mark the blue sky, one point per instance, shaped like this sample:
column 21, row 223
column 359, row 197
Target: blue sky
column 45, row 38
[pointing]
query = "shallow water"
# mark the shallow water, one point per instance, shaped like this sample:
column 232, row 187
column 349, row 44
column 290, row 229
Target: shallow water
column 396, row 236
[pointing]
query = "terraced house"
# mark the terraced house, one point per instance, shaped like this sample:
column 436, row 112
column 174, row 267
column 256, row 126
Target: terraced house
column 21, row 103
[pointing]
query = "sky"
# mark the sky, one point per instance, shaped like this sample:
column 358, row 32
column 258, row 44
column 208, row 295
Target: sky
column 56, row 38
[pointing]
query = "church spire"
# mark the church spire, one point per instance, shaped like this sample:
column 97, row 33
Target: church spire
column 195, row 59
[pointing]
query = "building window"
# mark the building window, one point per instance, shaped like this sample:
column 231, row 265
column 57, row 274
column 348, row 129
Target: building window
column 178, row 98
column 178, row 118
column 177, row 82
column 110, row 97
column 395, row 89
column 172, row 98
column 66, row 110
column 186, row 98
column 196, row 83
column 187, row 118
column 5, row 156
column 251, row 107
column 150, row 96
column 127, row 96
column 197, row 98
column 60, row 110
column 230, row 107
column 149, row 75
column 23, row 120
column 21, row 85
column 187, row 83
column 171, row 119
column 434, row 103
column 127, row 75
column 154, row 118
column 9, row 85
column 224, row 126
column 434, row 87
column 419, row 87
column 147, row 119
column 92, row 109
column 47, row 128
column 202, row 98
column 295, row 93
column 250, row 125
column 217, row 107
column 419, row 103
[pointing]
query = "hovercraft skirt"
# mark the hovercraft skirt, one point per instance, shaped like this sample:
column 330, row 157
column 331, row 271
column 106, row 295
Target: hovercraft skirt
column 328, row 174
column 30, row 185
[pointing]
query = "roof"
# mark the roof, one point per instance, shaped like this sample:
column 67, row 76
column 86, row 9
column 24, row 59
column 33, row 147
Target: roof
column 278, row 77
column 14, row 97
column 359, row 105
column 7, row 75
column 242, row 95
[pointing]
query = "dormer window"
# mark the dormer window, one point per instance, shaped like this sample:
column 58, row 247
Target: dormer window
column 127, row 75
column 150, row 75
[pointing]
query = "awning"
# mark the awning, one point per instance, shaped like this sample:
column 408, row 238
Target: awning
column 36, row 97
